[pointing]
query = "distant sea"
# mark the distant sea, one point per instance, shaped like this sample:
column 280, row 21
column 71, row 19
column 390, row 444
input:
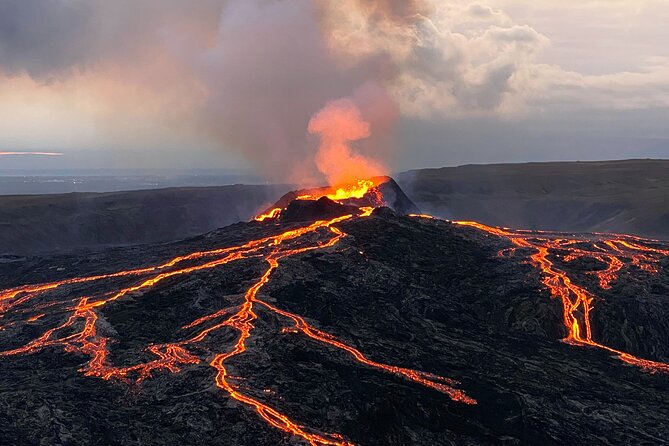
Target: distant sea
column 59, row 182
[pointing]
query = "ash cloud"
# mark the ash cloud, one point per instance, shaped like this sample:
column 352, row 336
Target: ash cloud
column 339, row 124
column 246, row 76
column 271, row 71
column 54, row 38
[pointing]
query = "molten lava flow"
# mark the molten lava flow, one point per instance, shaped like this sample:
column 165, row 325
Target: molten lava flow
column 615, row 251
column 422, row 216
column 274, row 213
column 358, row 193
column 74, row 322
column 357, row 189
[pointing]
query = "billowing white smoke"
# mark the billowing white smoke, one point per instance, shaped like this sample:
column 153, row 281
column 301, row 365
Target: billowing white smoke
column 247, row 75
column 338, row 124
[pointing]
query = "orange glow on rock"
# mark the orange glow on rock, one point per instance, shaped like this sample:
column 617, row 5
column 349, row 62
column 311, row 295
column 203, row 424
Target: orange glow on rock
column 361, row 193
column 272, row 214
column 355, row 189
column 338, row 124
column 577, row 302
column 429, row 217
column 78, row 330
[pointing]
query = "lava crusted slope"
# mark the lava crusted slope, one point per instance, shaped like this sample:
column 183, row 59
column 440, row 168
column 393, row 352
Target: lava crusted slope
column 417, row 293
column 374, row 192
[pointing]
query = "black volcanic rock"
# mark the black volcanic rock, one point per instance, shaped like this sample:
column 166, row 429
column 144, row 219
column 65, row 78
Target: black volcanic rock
column 310, row 210
column 626, row 196
column 395, row 198
column 417, row 293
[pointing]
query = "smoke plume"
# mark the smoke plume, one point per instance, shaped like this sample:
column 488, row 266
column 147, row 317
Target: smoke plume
column 339, row 123
column 247, row 76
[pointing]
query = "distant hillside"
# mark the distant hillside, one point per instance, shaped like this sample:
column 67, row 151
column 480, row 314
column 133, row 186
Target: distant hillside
column 611, row 196
column 45, row 223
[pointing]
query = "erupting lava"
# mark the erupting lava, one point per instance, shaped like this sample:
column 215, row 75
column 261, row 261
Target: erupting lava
column 357, row 189
column 77, row 318
column 613, row 250
column 361, row 193
column 273, row 213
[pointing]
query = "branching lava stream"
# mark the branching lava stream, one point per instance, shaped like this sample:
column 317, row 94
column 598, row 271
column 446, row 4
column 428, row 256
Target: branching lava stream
column 76, row 320
column 78, row 328
column 613, row 250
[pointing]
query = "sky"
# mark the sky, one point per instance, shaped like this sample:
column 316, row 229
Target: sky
column 173, row 84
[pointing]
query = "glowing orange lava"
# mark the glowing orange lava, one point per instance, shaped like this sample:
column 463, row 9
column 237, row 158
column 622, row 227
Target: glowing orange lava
column 357, row 189
column 422, row 216
column 274, row 213
column 352, row 191
column 75, row 323
column 613, row 250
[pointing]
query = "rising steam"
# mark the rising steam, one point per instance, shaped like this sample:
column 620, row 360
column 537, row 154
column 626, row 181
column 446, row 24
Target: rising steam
column 338, row 124
column 247, row 75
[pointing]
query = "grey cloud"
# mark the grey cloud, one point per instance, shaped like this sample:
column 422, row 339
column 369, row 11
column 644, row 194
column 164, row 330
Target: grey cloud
column 455, row 59
column 488, row 93
column 480, row 10
column 268, row 73
column 51, row 38
column 44, row 36
column 258, row 69
column 516, row 34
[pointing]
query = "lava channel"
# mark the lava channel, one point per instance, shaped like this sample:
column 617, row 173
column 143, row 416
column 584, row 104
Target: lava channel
column 78, row 328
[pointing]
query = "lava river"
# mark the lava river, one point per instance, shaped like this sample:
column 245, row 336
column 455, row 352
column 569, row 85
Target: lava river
column 78, row 328
column 615, row 251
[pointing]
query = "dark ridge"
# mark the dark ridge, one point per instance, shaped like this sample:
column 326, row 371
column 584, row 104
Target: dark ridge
column 32, row 224
column 628, row 196
column 321, row 209
column 395, row 198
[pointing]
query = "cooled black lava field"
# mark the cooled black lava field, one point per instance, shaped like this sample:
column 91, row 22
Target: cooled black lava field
column 378, row 329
